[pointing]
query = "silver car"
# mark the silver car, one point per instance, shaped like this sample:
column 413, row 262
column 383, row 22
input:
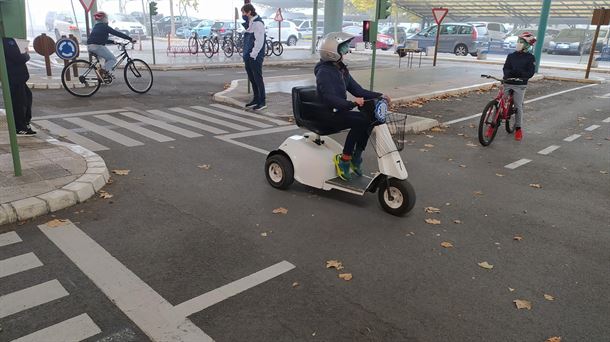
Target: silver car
column 458, row 38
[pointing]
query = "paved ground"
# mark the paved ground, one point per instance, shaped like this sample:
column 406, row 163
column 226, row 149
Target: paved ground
column 195, row 214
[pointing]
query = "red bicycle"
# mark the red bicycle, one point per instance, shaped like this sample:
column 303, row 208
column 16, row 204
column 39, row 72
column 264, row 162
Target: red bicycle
column 498, row 109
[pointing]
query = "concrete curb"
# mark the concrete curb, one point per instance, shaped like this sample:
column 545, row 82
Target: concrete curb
column 83, row 188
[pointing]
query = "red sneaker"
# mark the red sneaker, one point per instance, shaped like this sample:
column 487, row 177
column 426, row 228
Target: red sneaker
column 518, row 134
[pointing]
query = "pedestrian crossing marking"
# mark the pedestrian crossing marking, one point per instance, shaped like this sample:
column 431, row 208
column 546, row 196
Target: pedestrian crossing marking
column 135, row 128
column 74, row 329
column 105, row 132
column 19, row 263
column 232, row 117
column 74, row 137
column 253, row 115
column 210, row 119
column 9, row 239
column 161, row 124
column 30, row 297
column 187, row 122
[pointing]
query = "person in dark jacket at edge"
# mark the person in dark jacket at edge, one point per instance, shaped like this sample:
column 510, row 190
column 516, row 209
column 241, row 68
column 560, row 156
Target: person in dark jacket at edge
column 21, row 95
column 520, row 64
column 333, row 80
column 98, row 38
column 254, row 54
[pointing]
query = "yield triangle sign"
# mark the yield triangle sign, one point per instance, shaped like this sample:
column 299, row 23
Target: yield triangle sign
column 87, row 4
column 438, row 13
column 278, row 15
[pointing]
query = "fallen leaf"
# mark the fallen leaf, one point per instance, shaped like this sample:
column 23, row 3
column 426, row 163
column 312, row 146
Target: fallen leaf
column 472, row 125
column 204, row 166
column 264, row 234
column 471, row 145
column 486, row 265
column 553, row 339
column 446, row 244
column 280, row 210
column 103, row 194
column 589, row 138
column 295, row 284
column 522, row 304
column 429, row 136
column 517, row 238
column 511, row 289
column 423, row 150
column 121, row 172
column 437, row 129
column 499, row 175
column 457, row 221
column 428, row 145
column 536, row 186
column 478, row 193
column 432, row 221
column 604, row 172
column 549, row 297
column 56, row 223
column 336, row 264
column 110, row 181
column 462, row 165
column 460, row 134
column 346, row 276
column 432, row 210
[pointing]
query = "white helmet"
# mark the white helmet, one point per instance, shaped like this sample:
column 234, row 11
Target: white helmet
column 330, row 46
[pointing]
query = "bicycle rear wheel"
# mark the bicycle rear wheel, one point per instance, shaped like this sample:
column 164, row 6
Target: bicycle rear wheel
column 278, row 48
column 193, row 45
column 138, row 76
column 86, row 81
column 268, row 48
column 208, row 48
column 227, row 48
column 489, row 123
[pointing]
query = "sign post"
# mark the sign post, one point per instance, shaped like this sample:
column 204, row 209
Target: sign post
column 601, row 16
column 87, row 4
column 439, row 15
column 12, row 24
column 279, row 18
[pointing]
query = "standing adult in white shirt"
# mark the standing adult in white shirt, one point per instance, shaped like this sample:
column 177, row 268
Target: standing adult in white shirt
column 254, row 54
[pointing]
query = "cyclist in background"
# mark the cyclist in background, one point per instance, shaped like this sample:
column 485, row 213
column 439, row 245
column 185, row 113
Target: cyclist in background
column 520, row 64
column 99, row 38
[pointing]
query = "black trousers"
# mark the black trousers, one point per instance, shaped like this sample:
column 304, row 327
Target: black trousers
column 22, row 105
column 254, row 68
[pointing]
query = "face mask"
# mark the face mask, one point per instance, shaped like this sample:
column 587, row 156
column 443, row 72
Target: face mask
column 245, row 17
column 343, row 49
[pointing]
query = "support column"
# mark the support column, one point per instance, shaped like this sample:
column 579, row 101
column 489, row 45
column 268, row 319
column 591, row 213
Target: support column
column 333, row 16
column 544, row 18
column 314, row 28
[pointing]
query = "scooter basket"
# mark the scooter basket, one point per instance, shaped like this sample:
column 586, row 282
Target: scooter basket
column 390, row 136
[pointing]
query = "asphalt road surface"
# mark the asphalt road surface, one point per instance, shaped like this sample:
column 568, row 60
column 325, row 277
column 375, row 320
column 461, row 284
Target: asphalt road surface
column 195, row 213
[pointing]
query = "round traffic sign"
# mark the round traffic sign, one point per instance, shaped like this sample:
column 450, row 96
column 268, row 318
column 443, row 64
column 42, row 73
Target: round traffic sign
column 66, row 49
column 44, row 45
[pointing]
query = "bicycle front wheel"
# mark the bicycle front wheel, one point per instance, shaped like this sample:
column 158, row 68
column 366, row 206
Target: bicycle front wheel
column 193, row 45
column 278, row 48
column 488, row 125
column 84, row 81
column 268, row 48
column 228, row 49
column 208, row 48
column 138, row 76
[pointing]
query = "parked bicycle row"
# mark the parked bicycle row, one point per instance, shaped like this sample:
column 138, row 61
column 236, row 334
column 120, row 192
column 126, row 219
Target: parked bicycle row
column 229, row 45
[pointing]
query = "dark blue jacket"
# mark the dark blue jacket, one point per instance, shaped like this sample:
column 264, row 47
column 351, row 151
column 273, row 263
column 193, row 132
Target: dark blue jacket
column 15, row 62
column 519, row 65
column 99, row 34
column 333, row 81
column 249, row 42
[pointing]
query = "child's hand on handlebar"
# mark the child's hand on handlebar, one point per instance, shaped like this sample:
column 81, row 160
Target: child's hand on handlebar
column 359, row 101
column 387, row 98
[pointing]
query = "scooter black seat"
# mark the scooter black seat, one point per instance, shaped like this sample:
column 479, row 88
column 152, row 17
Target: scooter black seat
column 309, row 112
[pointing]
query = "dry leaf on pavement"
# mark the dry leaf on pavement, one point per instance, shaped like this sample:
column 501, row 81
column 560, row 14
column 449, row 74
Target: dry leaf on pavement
column 446, row 244
column 295, row 284
column 536, row 186
column 336, row 264
column 204, row 166
column 471, row 145
column 553, row 339
column 105, row 195
column 604, row 172
column 280, row 210
column 346, row 276
column 431, row 210
column 511, row 289
column 486, row 265
column 264, row 234
column 517, row 238
column 436, row 129
column 549, row 297
column 56, row 223
column 499, row 175
column 522, row 304
column 432, row 221
column 462, row 165
column 478, row 193
column 428, row 145
column 121, row 172
column 423, row 150
column 457, row 221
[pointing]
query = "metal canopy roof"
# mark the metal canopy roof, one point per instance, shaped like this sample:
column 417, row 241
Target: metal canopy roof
column 524, row 10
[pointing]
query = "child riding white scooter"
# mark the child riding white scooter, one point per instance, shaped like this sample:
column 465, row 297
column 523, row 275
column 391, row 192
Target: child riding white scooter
column 316, row 160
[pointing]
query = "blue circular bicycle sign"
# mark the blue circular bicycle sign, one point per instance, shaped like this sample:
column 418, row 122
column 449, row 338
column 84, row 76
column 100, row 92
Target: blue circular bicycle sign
column 66, row 49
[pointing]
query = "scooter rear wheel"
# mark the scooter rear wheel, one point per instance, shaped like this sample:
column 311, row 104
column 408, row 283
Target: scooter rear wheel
column 397, row 197
column 279, row 171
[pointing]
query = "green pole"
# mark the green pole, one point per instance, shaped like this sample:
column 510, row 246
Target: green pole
column 374, row 47
column 544, row 18
column 314, row 32
column 8, row 106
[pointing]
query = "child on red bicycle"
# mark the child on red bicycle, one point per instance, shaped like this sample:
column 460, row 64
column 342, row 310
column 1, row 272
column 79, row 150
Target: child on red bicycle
column 520, row 64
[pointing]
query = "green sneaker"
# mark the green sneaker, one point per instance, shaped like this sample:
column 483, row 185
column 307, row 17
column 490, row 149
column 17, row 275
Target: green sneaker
column 343, row 168
column 356, row 163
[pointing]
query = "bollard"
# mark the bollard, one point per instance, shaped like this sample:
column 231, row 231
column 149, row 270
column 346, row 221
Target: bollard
column 74, row 67
column 140, row 41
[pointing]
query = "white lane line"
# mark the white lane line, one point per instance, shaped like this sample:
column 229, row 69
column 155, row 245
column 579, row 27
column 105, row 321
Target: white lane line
column 232, row 117
column 145, row 307
column 135, row 128
column 215, row 74
column 179, row 119
column 258, row 132
column 74, row 329
column 105, row 132
column 74, row 137
column 215, row 296
column 548, row 150
column 592, row 128
column 71, row 115
column 478, row 115
column 606, row 120
column 252, row 115
column 9, row 239
column 18, row 264
column 210, row 119
column 161, row 124
column 518, row 163
column 31, row 297
column 572, row 137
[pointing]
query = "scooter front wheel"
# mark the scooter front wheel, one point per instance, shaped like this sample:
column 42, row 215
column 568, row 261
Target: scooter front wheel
column 397, row 197
column 279, row 171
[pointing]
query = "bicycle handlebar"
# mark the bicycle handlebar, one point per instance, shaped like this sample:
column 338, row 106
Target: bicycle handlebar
column 502, row 80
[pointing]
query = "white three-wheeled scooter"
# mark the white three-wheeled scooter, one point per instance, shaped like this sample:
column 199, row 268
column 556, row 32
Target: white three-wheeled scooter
column 308, row 158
